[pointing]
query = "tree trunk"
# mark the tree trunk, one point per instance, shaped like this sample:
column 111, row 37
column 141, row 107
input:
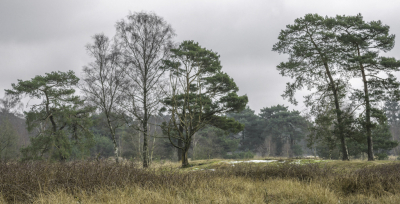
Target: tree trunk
column 291, row 144
column 59, row 145
column 287, row 148
column 367, row 116
column 394, row 136
column 145, row 143
column 344, row 151
column 185, row 150
column 194, row 150
column 139, row 146
column 113, row 138
column 54, row 127
column 152, row 150
column 341, row 127
column 269, row 147
column 337, row 107
column 145, row 121
column 185, row 161
column 180, row 144
column 338, row 115
column 116, row 151
column 115, row 145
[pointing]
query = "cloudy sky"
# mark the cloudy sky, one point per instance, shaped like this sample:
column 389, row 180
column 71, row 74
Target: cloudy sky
column 40, row 36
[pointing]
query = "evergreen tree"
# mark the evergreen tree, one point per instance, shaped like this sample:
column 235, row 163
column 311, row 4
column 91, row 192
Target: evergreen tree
column 284, row 126
column 313, row 53
column 200, row 95
column 381, row 136
column 363, row 41
column 392, row 111
column 251, row 136
column 322, row 136
column 60, row 121
column 213, row 142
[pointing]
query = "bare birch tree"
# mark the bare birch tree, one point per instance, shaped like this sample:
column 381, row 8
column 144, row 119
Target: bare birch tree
column 145, row 39
column 104, row 82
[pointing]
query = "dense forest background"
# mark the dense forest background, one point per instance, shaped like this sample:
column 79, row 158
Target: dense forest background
column 259, row 137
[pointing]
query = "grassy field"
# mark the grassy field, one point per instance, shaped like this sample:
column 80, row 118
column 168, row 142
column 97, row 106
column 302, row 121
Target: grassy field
column 206, row 181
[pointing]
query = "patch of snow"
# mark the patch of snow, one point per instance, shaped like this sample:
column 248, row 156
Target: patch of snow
column 311, row 157
column 297, row 162
column 262, row 161
column 253, row 161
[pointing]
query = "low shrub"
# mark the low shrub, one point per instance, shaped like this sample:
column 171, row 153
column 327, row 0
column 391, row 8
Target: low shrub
column 382, row 156
column 377, row 180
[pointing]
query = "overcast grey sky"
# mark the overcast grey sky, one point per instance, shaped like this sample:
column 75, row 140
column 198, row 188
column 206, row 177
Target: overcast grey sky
column 40, row 36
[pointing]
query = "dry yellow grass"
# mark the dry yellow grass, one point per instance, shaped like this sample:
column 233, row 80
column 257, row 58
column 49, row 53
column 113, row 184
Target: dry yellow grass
column 244, row 183
column 233, row 190
column 221, row 190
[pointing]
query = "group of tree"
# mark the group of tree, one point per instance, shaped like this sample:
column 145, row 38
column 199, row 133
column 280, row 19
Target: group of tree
column 392, row 112
column 127, row 82
column 275, row 131
column 144, row 96
column 324, row 55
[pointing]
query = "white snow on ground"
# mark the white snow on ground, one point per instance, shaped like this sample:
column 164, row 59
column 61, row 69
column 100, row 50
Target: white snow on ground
column 296, row 162
column 253, row 161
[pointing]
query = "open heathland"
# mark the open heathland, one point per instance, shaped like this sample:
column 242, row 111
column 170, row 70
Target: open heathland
column 206, row 181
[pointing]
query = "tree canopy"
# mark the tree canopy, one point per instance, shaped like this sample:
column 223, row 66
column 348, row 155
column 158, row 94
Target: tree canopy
column 284, row 126
column 313, row 53
column 59, row 119
column 200, row 94
column 362, row 42
column 145, row 40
